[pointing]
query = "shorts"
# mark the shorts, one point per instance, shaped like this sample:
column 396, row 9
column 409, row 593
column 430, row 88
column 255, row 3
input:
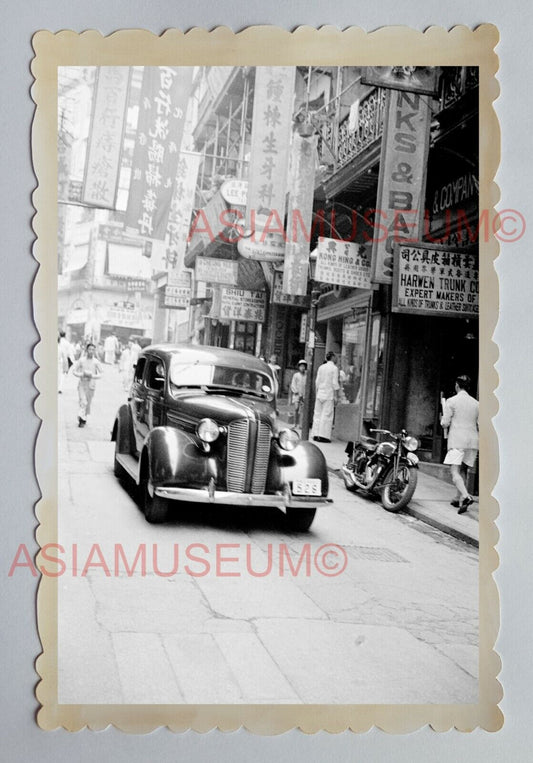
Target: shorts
column 458, row 456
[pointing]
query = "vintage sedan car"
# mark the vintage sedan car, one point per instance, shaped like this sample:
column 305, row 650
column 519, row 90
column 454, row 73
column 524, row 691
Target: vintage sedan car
column 201, row 426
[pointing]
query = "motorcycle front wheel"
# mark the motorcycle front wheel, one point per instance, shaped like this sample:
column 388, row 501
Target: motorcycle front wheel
column 397, row 494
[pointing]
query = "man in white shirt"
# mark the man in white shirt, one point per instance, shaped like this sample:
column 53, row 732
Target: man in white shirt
column 298, row 390
column 461, row 417
column 327, row 395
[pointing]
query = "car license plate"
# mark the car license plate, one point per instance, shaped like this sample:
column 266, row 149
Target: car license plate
column 307, row 487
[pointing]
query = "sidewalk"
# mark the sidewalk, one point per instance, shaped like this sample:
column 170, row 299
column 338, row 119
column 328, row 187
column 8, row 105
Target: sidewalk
column 430, row 503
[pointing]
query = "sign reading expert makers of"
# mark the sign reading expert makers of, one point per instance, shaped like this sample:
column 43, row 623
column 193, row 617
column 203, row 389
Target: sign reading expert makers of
column 429, row 280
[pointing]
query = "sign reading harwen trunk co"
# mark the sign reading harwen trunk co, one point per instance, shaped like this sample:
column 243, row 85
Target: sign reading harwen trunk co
column 429, row 280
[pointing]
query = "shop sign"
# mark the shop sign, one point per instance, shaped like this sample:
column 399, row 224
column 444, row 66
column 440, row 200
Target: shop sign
column 303, row 328
column 177, row 297
column 163, row 104
column 343, row 263
column 127, row 318
column 415, row 79
column 280, row 298
column 115, row 235
column 235, row 192
column 429, row 280
column 179, row 221
column 271, row 131
column 300, row 212
column 106, row 135
column 179, row 277
column 262, row 247
column 242, row 305
column 136, row 284
column 212, row 270
column 402, row 178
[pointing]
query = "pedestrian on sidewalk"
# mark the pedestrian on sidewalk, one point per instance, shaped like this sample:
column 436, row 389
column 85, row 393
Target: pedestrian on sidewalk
column 327, row 395
column 125, row 366
column 88, row 370
column 297, row 390
column 65, row 359
column 461, row 417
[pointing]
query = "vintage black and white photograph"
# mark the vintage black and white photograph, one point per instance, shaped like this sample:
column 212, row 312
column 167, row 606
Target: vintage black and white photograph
column 268, row 385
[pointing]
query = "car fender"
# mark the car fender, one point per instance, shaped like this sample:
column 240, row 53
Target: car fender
column 122, row 432
column 176, row 457
column 306, row 461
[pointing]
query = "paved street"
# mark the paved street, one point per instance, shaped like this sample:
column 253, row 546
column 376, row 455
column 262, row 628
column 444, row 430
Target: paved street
column 208, row 623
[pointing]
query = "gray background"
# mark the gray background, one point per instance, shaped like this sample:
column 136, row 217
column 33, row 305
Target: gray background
column 21, row 738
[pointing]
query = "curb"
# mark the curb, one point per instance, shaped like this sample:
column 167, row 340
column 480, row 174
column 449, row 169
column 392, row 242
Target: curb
column 419, row 514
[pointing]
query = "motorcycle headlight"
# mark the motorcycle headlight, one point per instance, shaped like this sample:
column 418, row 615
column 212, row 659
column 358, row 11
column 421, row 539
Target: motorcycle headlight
column 411, row 443
column 288, row 439
column 208, row 430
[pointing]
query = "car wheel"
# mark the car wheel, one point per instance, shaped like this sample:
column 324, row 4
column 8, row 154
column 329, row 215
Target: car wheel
column 154, row 507
column 300, row 519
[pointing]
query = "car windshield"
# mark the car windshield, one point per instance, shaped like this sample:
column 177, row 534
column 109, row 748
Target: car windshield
column 226, row 378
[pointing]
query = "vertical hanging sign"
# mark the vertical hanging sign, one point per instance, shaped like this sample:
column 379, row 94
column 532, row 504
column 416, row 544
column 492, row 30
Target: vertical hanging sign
column 402, row 178
column 181, row 208
column 104, row 150
column 271, row 130
column 299, row 214
column 164, row 95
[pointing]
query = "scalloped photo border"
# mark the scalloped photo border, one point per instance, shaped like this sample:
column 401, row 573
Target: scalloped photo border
column 259, row 45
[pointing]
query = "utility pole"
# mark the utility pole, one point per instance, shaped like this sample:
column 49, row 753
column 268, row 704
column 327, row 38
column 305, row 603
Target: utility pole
column 310, row 343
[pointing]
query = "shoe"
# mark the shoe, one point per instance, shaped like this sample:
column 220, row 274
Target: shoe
column 455, row 504
column 81, row 422
column 465, row 504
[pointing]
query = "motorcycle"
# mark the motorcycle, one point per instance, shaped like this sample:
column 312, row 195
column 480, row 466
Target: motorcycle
column 386, row 468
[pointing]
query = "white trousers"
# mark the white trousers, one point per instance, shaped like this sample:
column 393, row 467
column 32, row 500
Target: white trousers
column 323, row 418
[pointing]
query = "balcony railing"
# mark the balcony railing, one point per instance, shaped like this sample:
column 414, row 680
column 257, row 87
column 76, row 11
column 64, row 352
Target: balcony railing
column 338, row 144
column 457, row 81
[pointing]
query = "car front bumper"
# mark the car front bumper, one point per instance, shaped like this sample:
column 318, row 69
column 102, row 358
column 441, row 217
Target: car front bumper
column 279, row 500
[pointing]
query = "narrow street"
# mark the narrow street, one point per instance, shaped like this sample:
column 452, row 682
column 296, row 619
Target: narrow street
column 367, row 607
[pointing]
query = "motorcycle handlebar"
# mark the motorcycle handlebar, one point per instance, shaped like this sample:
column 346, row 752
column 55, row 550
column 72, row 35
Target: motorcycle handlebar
column 398, row 436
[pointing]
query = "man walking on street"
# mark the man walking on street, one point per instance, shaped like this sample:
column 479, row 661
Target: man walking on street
column 461, row 416
column 298, row 390
column 327, row 395
column 88, row 370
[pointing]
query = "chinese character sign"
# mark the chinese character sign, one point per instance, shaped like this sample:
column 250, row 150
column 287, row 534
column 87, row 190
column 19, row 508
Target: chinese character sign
column 104, row 150
column 279, row 298
column 433, row 281
column 214, row 270
column 271, row 130
column 242, row 305
column 300, row 213
column 164, row 95
column 402, row 180
column 343, row 263
column 182, row 205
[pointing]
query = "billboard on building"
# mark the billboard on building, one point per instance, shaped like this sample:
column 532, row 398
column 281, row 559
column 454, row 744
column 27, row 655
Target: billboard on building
column 164, row 95
column 429, row 280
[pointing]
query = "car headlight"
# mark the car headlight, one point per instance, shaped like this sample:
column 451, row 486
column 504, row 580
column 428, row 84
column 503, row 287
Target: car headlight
column 411, row 443
column 208, row 430
column 288, row 439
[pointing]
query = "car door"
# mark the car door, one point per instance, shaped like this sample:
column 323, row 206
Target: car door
column 155, row 379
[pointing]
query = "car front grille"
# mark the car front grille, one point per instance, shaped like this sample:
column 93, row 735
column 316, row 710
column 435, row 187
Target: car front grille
column 248, row 454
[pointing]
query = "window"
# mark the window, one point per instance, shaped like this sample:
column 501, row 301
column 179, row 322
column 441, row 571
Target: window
column 139, row 369
column 155, row 376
